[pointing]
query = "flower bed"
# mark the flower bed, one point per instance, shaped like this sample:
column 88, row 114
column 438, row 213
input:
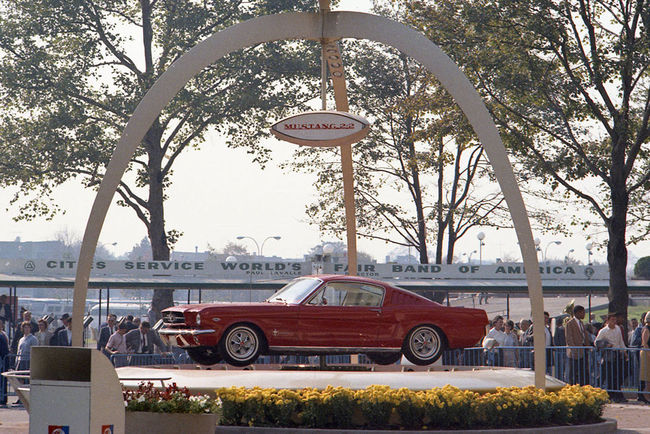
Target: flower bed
column 379, row 407
column 172, row 399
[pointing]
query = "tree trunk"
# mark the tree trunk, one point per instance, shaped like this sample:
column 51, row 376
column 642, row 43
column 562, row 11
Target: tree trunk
column 616, row 247
column 439, row 205
column 162, row 298
column 417, row 197
column 451, row 240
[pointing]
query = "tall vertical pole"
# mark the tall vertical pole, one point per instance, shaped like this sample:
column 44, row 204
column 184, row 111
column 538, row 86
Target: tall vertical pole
column 332, row 55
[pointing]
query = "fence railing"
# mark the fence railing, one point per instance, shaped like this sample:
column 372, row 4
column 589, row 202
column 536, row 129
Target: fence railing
column 616, row 370
column 613, row 369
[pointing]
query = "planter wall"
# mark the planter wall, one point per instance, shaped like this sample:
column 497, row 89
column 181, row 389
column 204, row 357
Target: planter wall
column 138, row 422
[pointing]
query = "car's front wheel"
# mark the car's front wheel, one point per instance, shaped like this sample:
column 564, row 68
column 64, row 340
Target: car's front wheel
column 384, row 358
column 240, row 345
column 204, row 355
column 424, row 345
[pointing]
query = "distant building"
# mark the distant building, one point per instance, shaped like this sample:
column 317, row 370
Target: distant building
column 32, row 249
column 190, row 256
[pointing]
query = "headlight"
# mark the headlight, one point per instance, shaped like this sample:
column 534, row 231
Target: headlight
column 198, row 319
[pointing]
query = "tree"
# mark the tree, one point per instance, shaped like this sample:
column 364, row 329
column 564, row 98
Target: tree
column 71, row 244
column 642, row 267
column 141, row 251
column 339, row 251
column 568, row 84
column 230, row 249
column 72, row 72
column 415, row 174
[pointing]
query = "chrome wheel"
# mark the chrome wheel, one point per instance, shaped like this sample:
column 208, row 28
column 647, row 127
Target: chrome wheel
column 241, row 345
column 424, row 342
column 424, row 345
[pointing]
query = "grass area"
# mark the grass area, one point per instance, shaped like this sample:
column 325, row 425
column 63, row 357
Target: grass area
column 632, row 312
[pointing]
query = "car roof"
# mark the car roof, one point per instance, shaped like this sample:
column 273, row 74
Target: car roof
column 333, row 277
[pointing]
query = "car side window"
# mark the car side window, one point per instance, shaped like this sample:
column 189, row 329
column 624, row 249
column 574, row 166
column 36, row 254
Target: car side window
column 348, row 294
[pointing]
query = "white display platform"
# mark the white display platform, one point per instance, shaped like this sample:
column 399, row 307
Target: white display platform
column 206, row 381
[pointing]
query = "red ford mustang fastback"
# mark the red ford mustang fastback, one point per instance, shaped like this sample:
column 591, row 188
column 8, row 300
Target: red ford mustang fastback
column 327, row 314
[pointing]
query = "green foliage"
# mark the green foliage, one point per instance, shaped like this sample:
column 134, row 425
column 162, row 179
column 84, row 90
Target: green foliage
column 642, row 267
column 71, row 74
column 567, row 83
column 376, row 405
column 416, row 172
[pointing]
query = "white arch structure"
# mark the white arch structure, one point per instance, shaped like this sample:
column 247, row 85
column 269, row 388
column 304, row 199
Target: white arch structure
column 316, row 26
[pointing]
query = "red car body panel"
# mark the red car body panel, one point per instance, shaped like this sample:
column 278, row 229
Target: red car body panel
column 327, row 328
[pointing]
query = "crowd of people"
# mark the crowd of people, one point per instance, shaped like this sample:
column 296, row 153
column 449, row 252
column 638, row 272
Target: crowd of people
column 579, row 352
column 129, row 336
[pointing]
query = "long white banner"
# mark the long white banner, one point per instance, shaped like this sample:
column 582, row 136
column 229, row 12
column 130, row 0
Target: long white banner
column 258, row 270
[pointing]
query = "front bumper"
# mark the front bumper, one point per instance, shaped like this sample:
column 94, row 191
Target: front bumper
column 188, row 337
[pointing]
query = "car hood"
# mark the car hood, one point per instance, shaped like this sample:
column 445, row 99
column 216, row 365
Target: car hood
column 238, row 306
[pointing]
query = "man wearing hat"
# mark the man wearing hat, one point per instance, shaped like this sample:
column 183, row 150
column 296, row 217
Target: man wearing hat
column 56, row 337
column 610, row 341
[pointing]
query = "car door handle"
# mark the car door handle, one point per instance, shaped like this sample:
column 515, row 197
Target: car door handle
column 376, row 309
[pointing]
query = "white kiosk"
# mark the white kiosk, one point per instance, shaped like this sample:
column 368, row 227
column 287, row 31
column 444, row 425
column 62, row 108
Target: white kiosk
column 74, row 390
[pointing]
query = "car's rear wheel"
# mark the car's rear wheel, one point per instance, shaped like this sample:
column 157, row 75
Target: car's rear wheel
column 241, row 345
column 204, row 355
column 424, row 345
column 384, row 358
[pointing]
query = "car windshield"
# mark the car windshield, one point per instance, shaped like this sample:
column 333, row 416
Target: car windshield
column 295, row 291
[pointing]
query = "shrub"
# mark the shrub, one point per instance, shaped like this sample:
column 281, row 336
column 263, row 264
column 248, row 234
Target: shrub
column 376, row 404
column 383, row 407
column 642, row 267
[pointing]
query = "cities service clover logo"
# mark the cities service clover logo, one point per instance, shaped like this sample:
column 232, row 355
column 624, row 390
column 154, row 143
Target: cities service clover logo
column 30, row 266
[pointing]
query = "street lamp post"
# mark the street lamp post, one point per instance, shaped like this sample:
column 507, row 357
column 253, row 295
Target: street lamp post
column 275, row 237
column 546, row 249
column 469, row 257
column 259, row 249
column 566, row 257
column 481, row 237
column 589, row 246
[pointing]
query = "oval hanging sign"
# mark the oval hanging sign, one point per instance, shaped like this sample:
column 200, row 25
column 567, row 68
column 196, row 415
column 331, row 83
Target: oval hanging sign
column 321, row 128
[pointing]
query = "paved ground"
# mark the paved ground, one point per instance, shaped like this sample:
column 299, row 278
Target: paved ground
column 520, row 306
column 632, row 417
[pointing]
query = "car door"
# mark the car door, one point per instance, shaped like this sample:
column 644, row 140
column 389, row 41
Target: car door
column 342, row 315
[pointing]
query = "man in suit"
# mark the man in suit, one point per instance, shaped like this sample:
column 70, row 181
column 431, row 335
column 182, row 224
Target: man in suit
column 54, row 341
column 106, row 331
column 128, row 320
column 143, row 339
column 64, row 336
column 576, row 336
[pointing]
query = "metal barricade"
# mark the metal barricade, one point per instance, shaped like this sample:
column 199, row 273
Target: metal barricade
column 615, row 370
column 119, row 360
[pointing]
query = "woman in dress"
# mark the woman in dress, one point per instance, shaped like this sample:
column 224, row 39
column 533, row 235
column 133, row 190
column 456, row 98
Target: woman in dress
column 510, row 356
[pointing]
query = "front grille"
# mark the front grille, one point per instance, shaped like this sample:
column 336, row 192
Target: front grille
column 173, row 318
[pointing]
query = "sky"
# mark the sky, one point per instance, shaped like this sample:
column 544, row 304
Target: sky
column 218, row 194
